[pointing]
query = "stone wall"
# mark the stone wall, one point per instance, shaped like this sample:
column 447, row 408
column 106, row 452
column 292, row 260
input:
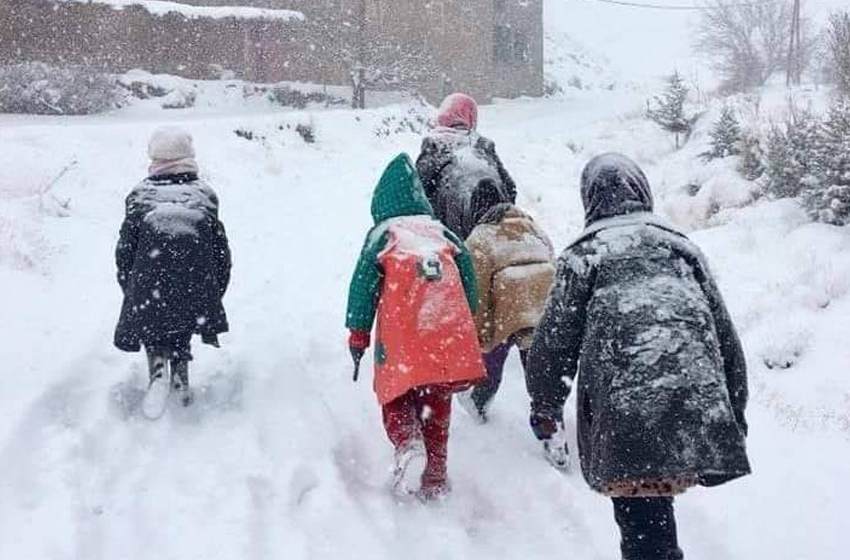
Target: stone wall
column 488, row 48
column 106, row 39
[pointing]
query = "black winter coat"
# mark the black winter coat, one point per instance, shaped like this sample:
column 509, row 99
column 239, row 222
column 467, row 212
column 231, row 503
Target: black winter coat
column 662, row 383
column 173, row 263
column 451, row 165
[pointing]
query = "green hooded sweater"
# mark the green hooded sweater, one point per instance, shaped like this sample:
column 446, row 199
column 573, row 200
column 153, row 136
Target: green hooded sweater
column 399, row 193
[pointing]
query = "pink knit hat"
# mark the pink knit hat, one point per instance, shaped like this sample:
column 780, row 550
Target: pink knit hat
column 458, row 109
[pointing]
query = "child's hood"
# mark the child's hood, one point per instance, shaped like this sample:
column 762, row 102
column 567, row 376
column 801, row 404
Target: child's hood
column 399, row 192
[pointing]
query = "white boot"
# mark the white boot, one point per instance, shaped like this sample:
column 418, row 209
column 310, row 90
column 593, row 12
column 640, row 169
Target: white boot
column 405, row 476
column 156, row 399
column 556, row 450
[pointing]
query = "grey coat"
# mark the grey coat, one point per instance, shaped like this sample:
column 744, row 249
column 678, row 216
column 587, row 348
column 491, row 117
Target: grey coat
column 636, row 317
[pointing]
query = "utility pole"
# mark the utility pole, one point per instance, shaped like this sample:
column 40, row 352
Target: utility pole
column 795, row 48
column 358, row 77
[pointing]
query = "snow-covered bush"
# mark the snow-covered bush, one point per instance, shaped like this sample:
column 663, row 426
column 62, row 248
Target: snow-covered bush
column 551, row 87
column 249, row 135
column 710, row 190
column 222, row 73
column 143, row 90
column 180, row 99
column 307, row 131
column 751, row 165
column 41, row 89
column 792, row 161
column 829, row 199
column 414, row 121
column 296, row 99
column 725, row 136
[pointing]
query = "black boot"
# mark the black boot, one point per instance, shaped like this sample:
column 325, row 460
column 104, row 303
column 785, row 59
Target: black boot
column 180, row 380
column 157, row 366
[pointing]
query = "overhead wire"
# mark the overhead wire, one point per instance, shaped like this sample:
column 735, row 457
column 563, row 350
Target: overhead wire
column 679, row 7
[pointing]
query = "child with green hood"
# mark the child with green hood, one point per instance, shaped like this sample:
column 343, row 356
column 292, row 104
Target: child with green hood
column 417, row 278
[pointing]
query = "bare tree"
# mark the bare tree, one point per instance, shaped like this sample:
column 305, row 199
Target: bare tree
column 368, row 62
column 838, row 47
column 748, row 42
column 388, row 65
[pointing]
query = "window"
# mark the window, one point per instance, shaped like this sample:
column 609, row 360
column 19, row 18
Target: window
column 522, row 48
column 510, row 45
column 503, row 47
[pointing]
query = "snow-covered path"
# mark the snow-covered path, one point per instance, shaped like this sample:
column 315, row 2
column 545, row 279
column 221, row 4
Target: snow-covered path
column 281, row 456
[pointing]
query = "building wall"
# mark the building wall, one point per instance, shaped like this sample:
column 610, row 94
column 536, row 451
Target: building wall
column 523, row 75
column 99, row 37
column 488, row 48
column 460, row 35
column 457, row 35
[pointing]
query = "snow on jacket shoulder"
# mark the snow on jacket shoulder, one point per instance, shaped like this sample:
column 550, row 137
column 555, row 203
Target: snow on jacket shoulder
column 173, row 262
column 451, row 164
column 418, row 279
column 662, row 384
column 514, row 266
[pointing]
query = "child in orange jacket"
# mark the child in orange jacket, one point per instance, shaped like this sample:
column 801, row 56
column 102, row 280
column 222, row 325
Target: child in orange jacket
column 418, row 278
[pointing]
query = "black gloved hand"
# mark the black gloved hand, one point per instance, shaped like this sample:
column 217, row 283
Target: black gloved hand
column 546, row 421
column 210, row 339
column 356, row 356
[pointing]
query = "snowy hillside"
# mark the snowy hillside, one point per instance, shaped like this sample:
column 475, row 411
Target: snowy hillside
column 637, row 44
column 281, row 456
column 633, row 46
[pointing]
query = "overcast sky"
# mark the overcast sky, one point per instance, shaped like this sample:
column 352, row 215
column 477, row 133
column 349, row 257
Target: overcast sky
column 645, row 43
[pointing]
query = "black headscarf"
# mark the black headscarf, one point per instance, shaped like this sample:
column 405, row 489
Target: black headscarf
column 613, row 185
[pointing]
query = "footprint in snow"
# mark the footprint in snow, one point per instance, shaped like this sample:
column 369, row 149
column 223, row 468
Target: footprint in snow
column 222, row 391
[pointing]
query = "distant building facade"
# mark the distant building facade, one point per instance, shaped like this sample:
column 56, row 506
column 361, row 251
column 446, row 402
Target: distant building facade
column 489, row 48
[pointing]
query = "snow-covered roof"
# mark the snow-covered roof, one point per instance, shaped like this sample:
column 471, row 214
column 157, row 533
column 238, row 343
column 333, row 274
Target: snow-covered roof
column 161, row 8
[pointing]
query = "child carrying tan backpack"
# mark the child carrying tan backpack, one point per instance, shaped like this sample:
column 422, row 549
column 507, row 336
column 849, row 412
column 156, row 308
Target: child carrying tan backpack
column 514, row 265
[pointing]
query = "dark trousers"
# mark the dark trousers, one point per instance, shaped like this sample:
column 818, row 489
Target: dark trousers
column 174, row 348
column 648, row 528
column 494, row 363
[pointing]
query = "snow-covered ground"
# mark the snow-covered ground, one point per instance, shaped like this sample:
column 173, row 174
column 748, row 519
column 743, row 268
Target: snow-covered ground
column 282, row 456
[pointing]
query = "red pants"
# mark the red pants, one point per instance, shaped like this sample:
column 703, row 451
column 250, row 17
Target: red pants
column 424, row 412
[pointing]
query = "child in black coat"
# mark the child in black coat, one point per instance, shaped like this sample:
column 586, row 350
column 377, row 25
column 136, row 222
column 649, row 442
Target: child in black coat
column 173, row 264
column 662, row 380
